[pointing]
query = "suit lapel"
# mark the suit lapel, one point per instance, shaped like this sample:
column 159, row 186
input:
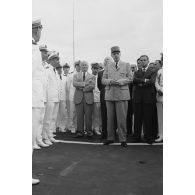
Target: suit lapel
column 148, row 72
column 119, row 65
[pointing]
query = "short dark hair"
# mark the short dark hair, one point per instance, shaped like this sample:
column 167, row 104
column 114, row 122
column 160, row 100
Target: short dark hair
column 77, row 63
column 95, row 65
column 159, row 61
column 144, row 56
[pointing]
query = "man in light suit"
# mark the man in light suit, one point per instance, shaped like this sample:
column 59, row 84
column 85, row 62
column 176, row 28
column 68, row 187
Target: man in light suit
column 116, row 77
column 84, row 83
column 53, row 96
column 72, row 115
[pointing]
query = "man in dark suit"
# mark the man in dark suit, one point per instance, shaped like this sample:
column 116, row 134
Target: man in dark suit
column 84, row 83
column 130, row 104
column 144, row 101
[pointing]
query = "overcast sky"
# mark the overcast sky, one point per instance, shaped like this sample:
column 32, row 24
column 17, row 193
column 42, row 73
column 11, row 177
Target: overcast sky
column 134, row 25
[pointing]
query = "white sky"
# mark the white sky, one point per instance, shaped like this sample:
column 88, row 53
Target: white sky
column 134, row 25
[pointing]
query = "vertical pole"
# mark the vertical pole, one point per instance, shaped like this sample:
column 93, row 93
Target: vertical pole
column 73, row 37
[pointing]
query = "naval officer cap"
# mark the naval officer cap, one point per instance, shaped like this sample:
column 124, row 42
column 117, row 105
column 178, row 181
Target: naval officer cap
column 36, row 23
column 43, row 48
column 115, row 49
column 66, row 65
column 53, row 55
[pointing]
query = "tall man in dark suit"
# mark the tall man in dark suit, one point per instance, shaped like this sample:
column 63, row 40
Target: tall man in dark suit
column 130, row 104
column 144, row 101
column 116, row 77
column 84, row 83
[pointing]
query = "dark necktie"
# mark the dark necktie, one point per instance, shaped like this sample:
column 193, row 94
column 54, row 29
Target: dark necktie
column 144, row 69
column 116, row 64
column 83, row 76
column 61, row 77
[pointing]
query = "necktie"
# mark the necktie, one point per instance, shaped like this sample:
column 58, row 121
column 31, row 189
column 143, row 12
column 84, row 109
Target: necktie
column 116, row 64
column 83, row 76
column 61, row 77
column 144, row 69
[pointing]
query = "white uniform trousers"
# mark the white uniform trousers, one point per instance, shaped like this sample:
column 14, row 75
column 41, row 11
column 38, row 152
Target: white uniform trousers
column 37, row 122
column 61, row 121
column 96, row 117
column 39, row 137
column 160, row 118
column 71, row 116
column 49, row 121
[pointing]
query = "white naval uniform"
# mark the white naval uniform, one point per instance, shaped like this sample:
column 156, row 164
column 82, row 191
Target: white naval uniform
column 72, row 115
column 96, row 116
column 64, row 107
column 52, row 104
column 38, row 107
column 39, row 137
column 159, row 104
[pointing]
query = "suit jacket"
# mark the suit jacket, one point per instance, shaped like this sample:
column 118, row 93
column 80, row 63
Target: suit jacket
column 123, row 75
column 84, row 89
column 144, row 91
column 101, row 86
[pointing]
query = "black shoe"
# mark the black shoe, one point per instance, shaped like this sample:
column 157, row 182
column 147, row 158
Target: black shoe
column 107, row 142
column 124, row 144
column 78, row 135
column 150, row 141
column 90, row 135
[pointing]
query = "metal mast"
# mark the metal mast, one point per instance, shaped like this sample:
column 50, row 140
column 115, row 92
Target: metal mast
column 73, row 37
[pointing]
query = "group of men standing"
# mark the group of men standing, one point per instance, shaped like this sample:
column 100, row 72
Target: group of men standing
column 118, row 98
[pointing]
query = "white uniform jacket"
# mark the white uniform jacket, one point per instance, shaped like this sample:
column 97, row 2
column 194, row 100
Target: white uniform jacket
column 37, row 78
column 65, row 88
column 53, row 84
column 159, row 84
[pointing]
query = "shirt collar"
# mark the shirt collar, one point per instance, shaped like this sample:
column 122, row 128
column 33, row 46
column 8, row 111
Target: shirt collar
column 146, row 68
column 117, row 62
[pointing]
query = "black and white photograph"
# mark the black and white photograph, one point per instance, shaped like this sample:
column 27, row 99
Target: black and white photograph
column 97, row 97
column 100, row 123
